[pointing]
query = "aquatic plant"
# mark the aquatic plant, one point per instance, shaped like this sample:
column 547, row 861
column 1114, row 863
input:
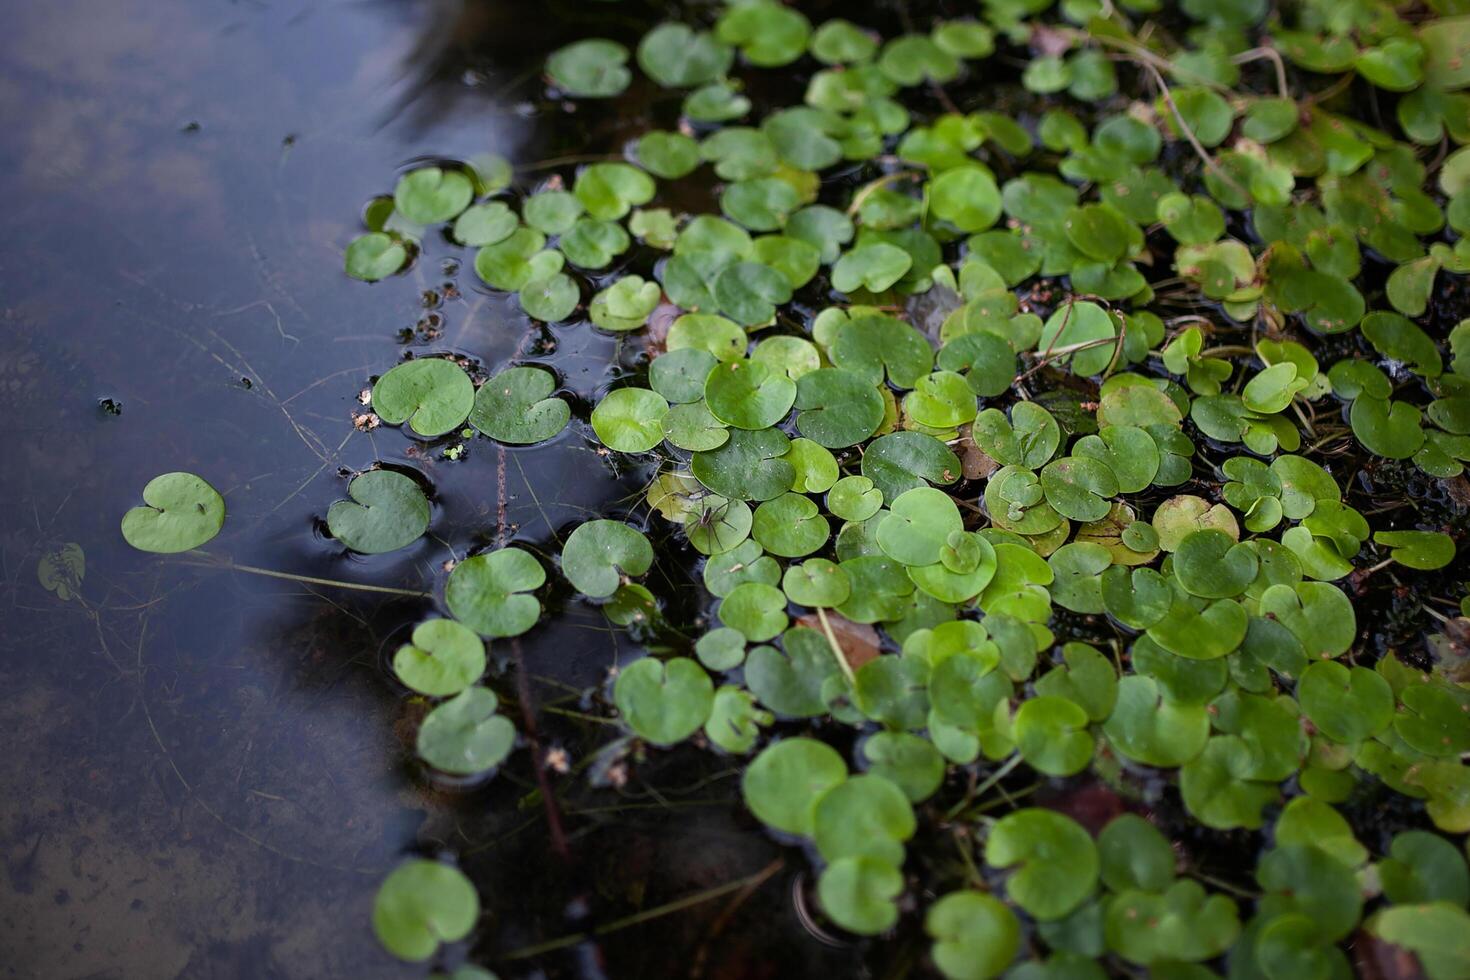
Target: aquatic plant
column 940, row 394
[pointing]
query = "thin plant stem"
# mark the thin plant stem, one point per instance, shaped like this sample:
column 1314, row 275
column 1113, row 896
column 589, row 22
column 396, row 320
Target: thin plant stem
column 648, row 915
column 232, row 565
column 837, row 650
column 1184, row 128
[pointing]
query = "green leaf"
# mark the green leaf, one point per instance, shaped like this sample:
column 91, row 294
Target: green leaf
column 594, row 68
column 610, row 190
column 1216, row 790
column 516, row 407
column 1051, row 735
column 664, row 702
column 785, row 781
column 748, row 394
column 599, row 553
column 1134, row 855
column 1424, row 550
column 464, row 736
column 628, row 419
column 487, row 592
column 181, row 512
column 443, row 658
column 430, row 195
column 1435, row 932
column 387, row 511
column 858, row 893
column 864, row 816
column 791, row 526
column 374, row 256
column 1157, row 731
column 431, row 394
column 550, row 298
column 1058, row 862
column 485, row 224
column 1182, row 924
column 1424, row 867
column 675, row 56
column 421, row 904
column 768, row 34
column 872, row 267
column 966, row 197
column 837, row 408
column 976, row 936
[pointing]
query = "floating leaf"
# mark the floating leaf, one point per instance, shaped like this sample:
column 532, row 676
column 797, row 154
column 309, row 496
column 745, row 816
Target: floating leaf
column 628, row 419
column 430, row 195
column 181, row 512
column 1058, row 862
column 387, row 511
column 858, row 893
column 599, row 553
column 784, row 783
column 975, row 935
column 431, row 394
column 443, row 658
column 374, row 256
column 421, row 904
column 515, row 407
column 664, row 702
column 488, row 592
column 594, row 68
column 464, row 735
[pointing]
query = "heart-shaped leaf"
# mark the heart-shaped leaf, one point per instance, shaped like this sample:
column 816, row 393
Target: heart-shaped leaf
column 599, row 553
column 181, row 513
column 421, row 904
column 464, row 735
column 431, row 394
column 664, row 702
column 387, row 511
column 443, row 659
column 487, row 592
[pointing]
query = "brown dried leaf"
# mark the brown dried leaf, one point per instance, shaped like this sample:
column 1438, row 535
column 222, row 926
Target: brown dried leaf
column 973, row 460
column 859, row 641
column 659, row 321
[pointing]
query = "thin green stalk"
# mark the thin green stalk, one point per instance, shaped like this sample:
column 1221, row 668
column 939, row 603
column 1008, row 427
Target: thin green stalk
column 648, row 915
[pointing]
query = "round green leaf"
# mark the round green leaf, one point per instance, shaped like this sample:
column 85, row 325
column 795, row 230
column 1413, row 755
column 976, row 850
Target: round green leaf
column 464, row 736
column 1058, row 861
column 863, row 816
column 516, row 407
column 785, row 781
column 594, row 68
column 976, row 936
column 181, row 513
column 628, row 419
column 374, row 256
column 443, row 658
column 858, row 893
column 599, row 553
column 421, row 904
column 487, row 592
column 485, row 224
column 748, row 394
column 430, row 195
column 664, row 702
column 387, row 511
column 431, row 394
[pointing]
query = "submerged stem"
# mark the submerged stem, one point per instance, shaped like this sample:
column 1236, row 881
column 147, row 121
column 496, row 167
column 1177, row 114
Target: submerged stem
column 647, row 915
column 232, row 565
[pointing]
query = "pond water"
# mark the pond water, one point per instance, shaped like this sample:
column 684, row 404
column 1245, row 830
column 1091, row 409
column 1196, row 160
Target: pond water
column 207, row 774
column 211, row 767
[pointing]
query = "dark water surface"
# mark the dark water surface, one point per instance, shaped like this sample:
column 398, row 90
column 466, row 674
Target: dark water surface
column 208, row 772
